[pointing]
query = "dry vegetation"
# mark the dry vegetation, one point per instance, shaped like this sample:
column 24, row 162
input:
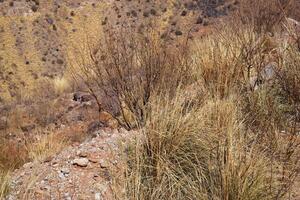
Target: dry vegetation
column 219, row 118
column 214, row 124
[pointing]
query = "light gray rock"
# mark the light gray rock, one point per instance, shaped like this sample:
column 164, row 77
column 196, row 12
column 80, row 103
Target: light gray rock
column 98, row 196
column 81, row 162
column 268, row 71
column 265, row 75
column 65, row 171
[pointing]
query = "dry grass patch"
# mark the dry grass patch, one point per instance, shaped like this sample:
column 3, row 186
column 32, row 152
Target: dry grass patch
column 4, row 183
column 44, row 146
column 206, row 153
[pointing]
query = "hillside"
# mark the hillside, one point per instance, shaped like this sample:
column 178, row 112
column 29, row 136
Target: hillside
column 149, row 99
column 38, row 37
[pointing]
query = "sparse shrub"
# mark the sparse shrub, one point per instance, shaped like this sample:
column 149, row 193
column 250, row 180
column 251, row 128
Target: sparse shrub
column 130, row 70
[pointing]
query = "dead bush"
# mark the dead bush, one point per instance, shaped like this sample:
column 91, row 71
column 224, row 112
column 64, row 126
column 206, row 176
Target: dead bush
column 127, row 69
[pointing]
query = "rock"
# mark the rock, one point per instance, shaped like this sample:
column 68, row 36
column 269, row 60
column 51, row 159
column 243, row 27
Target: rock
column 67, row 196
column 153, row 11
column 103, row 163
column 191, row 5
column 81, row 162
column 82, row 97
column 28, row 128
column 98, row 196
column 65, row 171
column 265, row 75
column 61, row 175
column 268, row 71
column 178, row 32
column 34, row 8
column 50, row 20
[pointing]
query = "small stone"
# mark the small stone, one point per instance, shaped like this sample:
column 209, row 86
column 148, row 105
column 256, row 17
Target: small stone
column 104, row 163
column 67, row 196
column 61, row 175
column 98, row 196
column 65, row 171
column 178, row 33
column 81, row 162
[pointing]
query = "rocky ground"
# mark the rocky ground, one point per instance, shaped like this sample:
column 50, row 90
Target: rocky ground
column 82, row 171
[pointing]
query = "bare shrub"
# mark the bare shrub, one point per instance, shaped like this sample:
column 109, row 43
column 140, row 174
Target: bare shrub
column 129, row 70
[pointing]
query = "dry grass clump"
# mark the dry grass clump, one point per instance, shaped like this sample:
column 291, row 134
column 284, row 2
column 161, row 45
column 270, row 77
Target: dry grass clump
column 206, row 153
column 4, row 183
column 61, row 85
